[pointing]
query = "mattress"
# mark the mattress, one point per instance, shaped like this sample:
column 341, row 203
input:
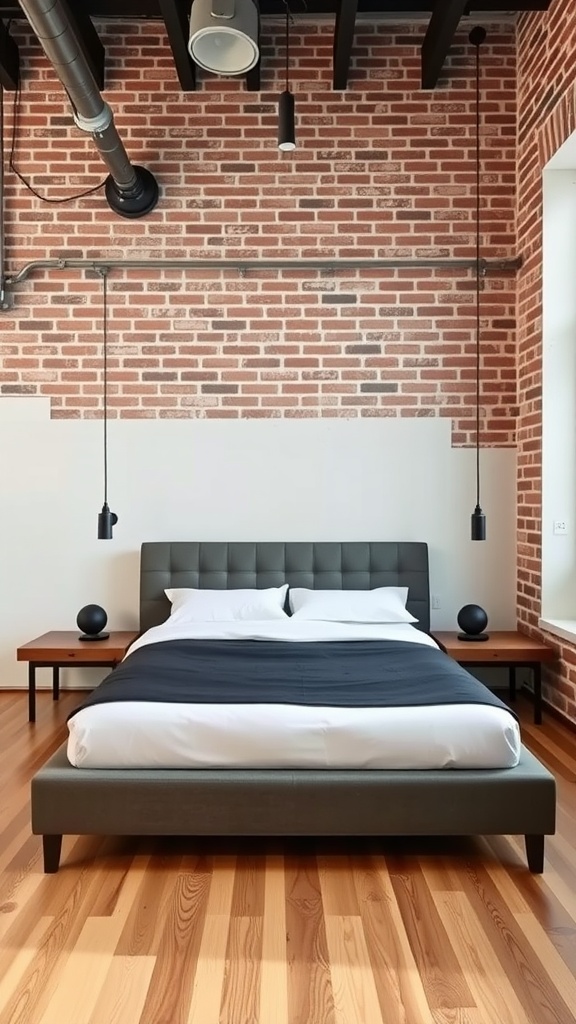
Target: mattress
column 140, row 734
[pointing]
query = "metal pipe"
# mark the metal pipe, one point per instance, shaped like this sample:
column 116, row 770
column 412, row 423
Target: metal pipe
column 131, row 191
column 510, row 264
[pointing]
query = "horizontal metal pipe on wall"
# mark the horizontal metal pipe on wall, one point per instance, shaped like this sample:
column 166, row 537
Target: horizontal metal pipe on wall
column 486, row 266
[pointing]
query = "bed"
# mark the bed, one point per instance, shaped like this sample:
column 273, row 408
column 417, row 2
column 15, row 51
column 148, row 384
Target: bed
column 272, row 799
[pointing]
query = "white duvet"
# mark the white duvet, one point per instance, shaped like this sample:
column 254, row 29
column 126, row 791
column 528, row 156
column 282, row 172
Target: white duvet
column 151, row 734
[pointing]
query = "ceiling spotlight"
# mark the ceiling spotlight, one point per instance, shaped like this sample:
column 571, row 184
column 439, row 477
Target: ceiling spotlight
column 224, row 35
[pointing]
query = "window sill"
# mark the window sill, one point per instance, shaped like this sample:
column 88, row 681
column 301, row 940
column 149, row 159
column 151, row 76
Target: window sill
column 564, row 628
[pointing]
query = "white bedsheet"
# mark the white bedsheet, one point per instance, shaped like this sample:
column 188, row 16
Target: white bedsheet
column 152, row 734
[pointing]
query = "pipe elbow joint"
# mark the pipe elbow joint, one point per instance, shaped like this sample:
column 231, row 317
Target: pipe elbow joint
column 97, row 124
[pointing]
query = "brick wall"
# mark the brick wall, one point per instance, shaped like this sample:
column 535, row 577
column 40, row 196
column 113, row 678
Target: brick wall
column 382, row 170
column 546, row 118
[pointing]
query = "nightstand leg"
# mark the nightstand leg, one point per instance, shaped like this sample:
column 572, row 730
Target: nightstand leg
column 31, row 691
column 55, row 682
column 512, row 682
column 537, row 670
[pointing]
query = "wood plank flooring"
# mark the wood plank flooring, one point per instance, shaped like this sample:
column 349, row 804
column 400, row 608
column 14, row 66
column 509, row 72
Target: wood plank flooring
column 179, row 931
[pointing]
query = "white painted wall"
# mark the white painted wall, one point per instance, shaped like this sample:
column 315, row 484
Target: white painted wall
column 310, row 479
column 559, row 387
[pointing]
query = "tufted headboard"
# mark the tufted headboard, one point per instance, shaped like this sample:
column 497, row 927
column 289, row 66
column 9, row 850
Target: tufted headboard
column 319, row 565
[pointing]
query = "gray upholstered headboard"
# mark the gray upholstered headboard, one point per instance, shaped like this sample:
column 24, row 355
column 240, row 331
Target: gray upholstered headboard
column 319, row 565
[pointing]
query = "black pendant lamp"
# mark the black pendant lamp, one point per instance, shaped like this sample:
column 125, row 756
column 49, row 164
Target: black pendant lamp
column 478, row 519
column 106, row 519
column 286, row 126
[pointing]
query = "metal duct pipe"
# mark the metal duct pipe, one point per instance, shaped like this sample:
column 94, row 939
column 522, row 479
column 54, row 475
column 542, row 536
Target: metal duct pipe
column 131, row 191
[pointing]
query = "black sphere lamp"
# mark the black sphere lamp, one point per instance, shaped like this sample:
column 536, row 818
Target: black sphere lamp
column 91, row 619
column 472, row 620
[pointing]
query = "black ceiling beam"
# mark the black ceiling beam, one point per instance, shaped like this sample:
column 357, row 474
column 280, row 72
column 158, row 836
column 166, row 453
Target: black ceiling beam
column 128, row 9
column 344, row 27
column 175, row 14
column 9, row 59
column 253, row 83
column 88, row 39
column 253, row 76
column 438, row 39
column 475, row 8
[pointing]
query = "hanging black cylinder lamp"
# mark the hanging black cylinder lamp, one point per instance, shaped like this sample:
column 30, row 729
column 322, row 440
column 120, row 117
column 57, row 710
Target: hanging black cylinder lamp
column 286, row 112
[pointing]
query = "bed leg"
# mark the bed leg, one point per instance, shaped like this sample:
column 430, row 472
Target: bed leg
column 52, row 846
column 535, row 853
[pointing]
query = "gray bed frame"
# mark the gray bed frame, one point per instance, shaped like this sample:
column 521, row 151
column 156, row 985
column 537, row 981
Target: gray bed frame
column 279, row 802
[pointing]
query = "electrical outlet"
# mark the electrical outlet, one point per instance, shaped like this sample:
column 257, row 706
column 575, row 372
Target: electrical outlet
column 560, row 527
column 435, row 601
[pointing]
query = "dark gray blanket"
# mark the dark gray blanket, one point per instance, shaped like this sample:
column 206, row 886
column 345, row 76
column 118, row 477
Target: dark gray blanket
column 327, row 674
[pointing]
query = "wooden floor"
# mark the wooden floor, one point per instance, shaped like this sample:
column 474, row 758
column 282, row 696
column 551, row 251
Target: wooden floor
column 451, row 931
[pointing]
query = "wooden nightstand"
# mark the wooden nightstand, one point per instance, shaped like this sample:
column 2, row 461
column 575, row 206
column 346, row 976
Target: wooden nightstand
column 508, row 649
column 56, row 649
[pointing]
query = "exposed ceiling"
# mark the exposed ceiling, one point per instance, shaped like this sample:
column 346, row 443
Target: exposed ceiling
column 443, row 18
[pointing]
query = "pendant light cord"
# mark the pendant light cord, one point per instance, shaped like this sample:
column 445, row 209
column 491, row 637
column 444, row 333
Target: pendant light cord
column 477, row 36
column 104, row 272
column 106, row 519
column 287, row 47
column 477, row 275
column 478, row 519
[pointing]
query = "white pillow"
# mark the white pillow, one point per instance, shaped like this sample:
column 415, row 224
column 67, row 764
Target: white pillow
column 190, row 605
column 383, row 604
